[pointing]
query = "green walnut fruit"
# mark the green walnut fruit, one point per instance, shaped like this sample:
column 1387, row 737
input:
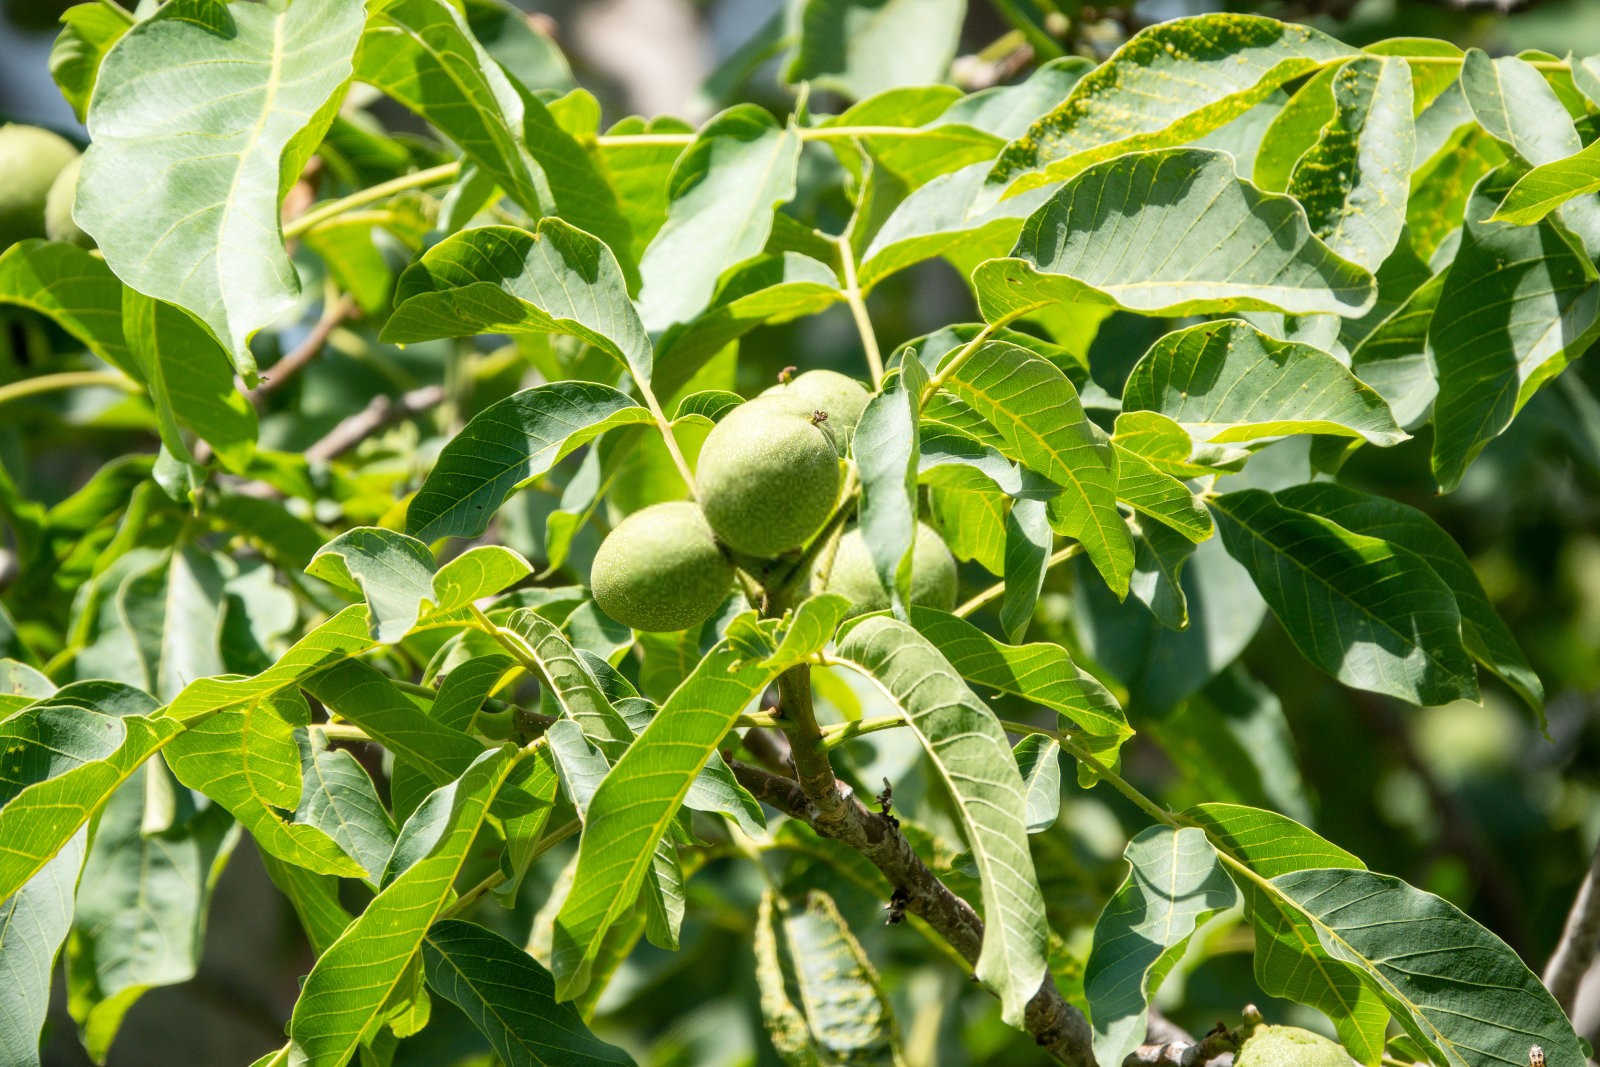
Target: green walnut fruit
column 660, row 569
column 1290, row 1046
column 58, row 221
column 767, row 479
column 842, row 397
column 933, row 573
column 30, row 160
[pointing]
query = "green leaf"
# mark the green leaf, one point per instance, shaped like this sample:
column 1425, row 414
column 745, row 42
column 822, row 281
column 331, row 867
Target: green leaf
column 969, row 751
column 1370, row 613
column 1517, row 304
column 1008, row 110
column 820, row 998
column 87, row 33
column 1451, row 984
column 1294, row 129
column 1153, row 492
column 1516, row 106
column 344, row 635
column 203, row 233
column 246, row 759
column 75, row 288
column 20, row 684
column 1040, row 673
column 502, row 279
column 1039, row 762
column 339, row 798
column 521, row 46
column 138, row 921
column 162, row 622
column 1027, row 552
column 1487, row 637
column 939, row 217
column 886, row 451
column 392, row 571
column 33, row 923
column 1036, row 410
column 189, row 380
column 582, row 767
column 1233, row 741
column 638, row 799
column 49, row 801
column 1228, row 382
column 1196, row 239
column 422, row 53
column 860, row 47
column 638, row 171
column 351, row 982
column 1545, row 188
column 568, row 682
column 721, row 197
column 1354, row 180
column 1290, row 962
column 395, row 574
column 765, row 291
column 1394, row 357
column 915, row 138
column 509, row 998
column 507, row 445
column 366, row 697
column 1169, row 84
column 1174, row 884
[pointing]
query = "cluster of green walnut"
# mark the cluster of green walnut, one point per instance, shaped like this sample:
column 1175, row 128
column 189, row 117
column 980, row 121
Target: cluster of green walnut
column 768, row 480
column 38, row 183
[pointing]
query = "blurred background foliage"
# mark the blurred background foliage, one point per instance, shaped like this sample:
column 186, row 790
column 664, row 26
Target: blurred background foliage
column 1473, row 803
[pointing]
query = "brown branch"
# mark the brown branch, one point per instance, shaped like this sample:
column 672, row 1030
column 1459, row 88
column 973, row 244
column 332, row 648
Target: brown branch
column 1580, row 941
column 380, row 412
column 302, row 354
column 832, row 809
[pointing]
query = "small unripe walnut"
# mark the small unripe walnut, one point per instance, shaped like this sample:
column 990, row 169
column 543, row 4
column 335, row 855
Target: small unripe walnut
column 768, row 478
column 660, row 569
column 841, row 397
column 933, row 573
column 30, row 160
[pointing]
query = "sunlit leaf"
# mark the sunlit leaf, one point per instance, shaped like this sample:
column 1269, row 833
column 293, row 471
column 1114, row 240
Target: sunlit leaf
column 1170, row 83
column 246, row 759
column 507, row 445
column 1196, row 239
column 203, row 232
column 1174, row 884
column 721, row 197
column 33, row 923
column 502, row 279
column 969, row 751
column 1036, row 410
column 1354, row 180
column 1228, row 382
column 353, row 979
column 859, row 47
column 631, row 809
column 1043, row 674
